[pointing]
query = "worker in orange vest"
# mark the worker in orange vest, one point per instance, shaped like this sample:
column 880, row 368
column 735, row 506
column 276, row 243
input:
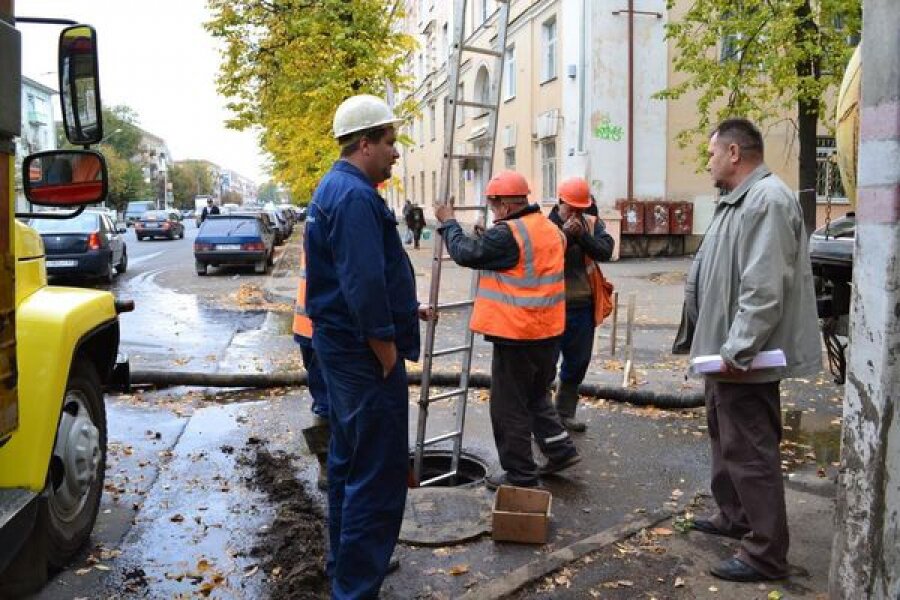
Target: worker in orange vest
column 588, row 294
column 317, row 435
column 520, row 308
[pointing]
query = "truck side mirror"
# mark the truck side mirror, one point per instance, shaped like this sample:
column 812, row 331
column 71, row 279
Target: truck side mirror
column 65, row 178
column 79, row 85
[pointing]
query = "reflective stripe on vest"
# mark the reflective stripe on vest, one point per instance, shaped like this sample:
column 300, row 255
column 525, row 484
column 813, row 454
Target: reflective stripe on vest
column 302, row 325
column 527, row 301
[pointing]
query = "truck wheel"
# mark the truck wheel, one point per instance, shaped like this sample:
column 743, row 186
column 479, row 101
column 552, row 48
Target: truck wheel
column 261, row 266
column 77, row 466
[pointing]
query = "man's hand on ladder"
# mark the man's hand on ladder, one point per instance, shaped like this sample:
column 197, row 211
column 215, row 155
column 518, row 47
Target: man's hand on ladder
column 426, row 313
column 444, row 212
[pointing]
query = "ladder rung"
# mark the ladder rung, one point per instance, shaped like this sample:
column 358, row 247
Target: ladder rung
column 470, row 207
column 477, row 50
column 483, row 105
column 441, row 438
column 434, row 480
column 458, row 304
column 446, row 351
column 445, row 395
column 471, row 156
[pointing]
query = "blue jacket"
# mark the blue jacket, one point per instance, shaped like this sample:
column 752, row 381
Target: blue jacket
column 360, row 282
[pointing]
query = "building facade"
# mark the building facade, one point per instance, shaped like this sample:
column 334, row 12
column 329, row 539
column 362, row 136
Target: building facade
column 38, row 128
column 565, row 107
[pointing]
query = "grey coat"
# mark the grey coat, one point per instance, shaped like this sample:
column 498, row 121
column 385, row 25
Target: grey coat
column 750, row 287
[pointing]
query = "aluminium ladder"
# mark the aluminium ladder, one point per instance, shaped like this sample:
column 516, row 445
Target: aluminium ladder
column 460, row 50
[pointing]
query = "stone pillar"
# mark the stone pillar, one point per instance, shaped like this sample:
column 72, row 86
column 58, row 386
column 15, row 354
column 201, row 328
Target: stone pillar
column 866, row 552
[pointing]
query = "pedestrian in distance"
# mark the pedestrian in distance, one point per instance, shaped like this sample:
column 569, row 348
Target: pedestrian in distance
column 209, row 209
column 588, row 294
column 361, row 298
column 520, row 308
column 749, row 289
column 415, row 222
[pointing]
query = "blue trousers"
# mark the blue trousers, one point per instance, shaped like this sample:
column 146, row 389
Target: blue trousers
column 368, row 463
column 314, row 378
column 577, row 344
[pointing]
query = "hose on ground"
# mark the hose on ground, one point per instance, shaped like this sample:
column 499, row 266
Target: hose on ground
column 667, row 400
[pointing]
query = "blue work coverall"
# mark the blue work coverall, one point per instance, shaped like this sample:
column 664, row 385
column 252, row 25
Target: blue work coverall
column 360, row 284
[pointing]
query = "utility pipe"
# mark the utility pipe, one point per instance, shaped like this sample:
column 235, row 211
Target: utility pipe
column 438, row 378
column 630, row 99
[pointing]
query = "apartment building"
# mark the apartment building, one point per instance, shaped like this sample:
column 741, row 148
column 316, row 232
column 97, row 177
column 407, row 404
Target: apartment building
column 38, row 128
column 565, row 107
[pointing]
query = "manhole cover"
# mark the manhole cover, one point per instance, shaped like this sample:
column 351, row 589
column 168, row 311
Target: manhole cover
column 439, row 516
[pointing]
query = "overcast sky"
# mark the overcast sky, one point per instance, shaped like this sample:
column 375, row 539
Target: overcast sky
column 156, row 58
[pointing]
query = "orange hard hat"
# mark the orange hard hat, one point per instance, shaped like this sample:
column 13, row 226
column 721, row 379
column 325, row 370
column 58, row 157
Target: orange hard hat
column 506, row 183
column 575, row 192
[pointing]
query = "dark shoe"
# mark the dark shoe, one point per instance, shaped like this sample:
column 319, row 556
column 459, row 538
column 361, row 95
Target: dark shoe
column 555, row 466
column 707, row 526
column 573, row 424
column 497, row 479
column 393, row 564
column 734, row 569
column 322, row 482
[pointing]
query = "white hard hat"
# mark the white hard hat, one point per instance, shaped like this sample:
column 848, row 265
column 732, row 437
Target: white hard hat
column 358, row 113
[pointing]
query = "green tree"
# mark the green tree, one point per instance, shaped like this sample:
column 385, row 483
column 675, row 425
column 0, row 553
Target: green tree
column 126, row 180
column 287, row 64
column 268, row 192
column 763, row 59
column 191, row 178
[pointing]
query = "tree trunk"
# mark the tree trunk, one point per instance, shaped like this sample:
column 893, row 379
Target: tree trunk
column 807, row 117
column 807, row 120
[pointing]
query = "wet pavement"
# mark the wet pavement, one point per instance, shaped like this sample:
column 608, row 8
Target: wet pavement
column 181, row 514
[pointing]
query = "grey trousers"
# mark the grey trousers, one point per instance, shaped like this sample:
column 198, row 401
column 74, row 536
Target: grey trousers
column 521, row 376
column 744, row 422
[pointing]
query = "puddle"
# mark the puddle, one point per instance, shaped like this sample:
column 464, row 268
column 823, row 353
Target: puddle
column 810, row 437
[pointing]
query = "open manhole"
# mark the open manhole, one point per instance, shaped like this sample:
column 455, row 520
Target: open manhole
column 471, row 469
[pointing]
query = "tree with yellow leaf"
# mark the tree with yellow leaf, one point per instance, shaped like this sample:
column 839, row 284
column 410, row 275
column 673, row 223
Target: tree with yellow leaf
column 288, row 64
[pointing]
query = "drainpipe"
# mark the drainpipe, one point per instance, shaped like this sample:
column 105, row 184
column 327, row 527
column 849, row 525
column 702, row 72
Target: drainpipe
column 582, row 71
column 631, row 99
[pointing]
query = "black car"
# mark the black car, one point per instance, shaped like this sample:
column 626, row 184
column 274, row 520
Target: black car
column 159, row 223
column 88, row 246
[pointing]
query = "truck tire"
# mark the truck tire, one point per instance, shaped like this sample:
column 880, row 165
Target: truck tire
column 77, row 466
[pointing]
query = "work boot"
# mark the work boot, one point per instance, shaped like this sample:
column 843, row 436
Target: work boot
column 566, row 401
column 318, row 437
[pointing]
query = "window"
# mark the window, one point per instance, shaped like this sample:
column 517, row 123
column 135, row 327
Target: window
column 461, row 110
column 422, row 183
column 432, row 118
column 421, row 127
column 548, row 170
column 509, row 73
column 445, row 42
column 483, row 9
column 421, row 71
column 731, row 47
column 434, row 187
column 509, row 158
column 827, row 169
column 482, row 90
column 549, row 37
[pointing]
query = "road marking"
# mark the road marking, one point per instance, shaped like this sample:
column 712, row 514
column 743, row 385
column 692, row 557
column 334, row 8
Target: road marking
column 140, row 259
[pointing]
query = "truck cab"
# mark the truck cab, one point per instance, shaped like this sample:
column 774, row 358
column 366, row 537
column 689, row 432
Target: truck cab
column 59, row 346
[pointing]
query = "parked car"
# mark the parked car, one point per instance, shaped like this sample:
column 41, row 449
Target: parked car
column 88, row 246
column 235, row 239
column 159, row 223
column 278, row 225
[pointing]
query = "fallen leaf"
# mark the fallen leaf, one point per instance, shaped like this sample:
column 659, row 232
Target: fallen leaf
column 713, row 588
column 251, row 571
column 101, row 567
column 775, row 595
column 679, row 582
column 458, row 569
column 176, row 518
column 83, row 571
column 661, row 531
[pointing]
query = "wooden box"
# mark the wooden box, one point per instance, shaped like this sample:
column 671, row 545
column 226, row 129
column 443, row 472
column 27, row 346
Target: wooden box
column 521, row 515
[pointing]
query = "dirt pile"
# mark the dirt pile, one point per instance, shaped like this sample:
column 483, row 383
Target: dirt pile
column 292, row 549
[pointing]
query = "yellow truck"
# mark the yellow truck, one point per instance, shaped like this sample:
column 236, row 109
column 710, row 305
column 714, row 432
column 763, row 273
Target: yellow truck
column 58, row 345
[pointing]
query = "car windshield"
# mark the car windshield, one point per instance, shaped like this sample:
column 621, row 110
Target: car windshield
column 84, row 222
column 226, row 227
column 839, row 228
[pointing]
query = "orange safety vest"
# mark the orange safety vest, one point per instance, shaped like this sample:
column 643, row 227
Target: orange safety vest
column 302, row 324
column 601, row 289
column 528, row 301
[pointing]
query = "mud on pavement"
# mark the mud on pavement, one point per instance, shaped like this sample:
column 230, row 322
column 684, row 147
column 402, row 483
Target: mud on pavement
column 292, row 549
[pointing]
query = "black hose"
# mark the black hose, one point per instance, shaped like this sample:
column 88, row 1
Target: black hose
column 438, row 378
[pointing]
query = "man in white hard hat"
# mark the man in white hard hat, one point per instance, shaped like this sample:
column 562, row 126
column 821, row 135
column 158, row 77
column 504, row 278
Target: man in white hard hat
column 361, row 297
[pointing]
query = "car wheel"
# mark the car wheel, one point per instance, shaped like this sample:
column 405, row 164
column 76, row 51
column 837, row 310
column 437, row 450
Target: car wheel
column 201, row 267
column 140, row 238
column 261, row 266
column 271, row 260
column 110, row 271
column 77, row 466
column 123, row 264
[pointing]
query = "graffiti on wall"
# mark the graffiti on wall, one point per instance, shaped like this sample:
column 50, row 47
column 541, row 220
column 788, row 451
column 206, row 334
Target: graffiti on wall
column 608, row 131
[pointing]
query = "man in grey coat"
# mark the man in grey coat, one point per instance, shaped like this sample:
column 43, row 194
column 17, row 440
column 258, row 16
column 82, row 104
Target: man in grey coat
column 749, row 289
